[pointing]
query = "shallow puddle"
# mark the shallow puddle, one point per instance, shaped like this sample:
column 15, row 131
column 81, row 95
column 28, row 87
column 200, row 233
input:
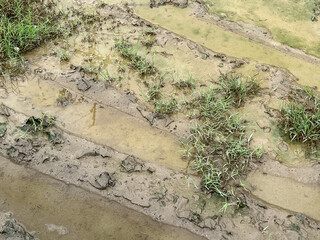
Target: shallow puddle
column 36, row 200
column 100, row 124
column 182, row 22
column 288, row 21
column 286, row 193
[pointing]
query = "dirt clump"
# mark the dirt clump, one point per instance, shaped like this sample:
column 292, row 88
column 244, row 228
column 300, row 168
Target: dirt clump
column 11, row 229
column 131, row 164
column 103, row 181
column 177, row 3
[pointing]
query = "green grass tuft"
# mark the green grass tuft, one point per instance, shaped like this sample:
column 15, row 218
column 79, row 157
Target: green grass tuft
column 188, row 82
column 208, row 105
column 220, row 153
column 62, row 55
column 218, row 147
column 138, row 62
column 237, row 88
column 300, row 123
column 38, row 125
column 106, row 77
column 25, row 24
column 300, row 119
column 166, row 106
column 153, row 91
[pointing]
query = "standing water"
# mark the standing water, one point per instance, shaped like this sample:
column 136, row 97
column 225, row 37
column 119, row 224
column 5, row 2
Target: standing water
column 39, row 201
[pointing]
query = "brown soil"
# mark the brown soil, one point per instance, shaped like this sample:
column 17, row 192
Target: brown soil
column 108, row 141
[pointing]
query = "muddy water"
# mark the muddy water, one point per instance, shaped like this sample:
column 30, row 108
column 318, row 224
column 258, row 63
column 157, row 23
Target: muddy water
column 288, row 21
column 182, row 22
column 37, row 200
column 286, row 193
column 100, row 124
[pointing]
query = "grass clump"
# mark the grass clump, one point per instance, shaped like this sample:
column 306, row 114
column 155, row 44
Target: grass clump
column 220, row 153
column 106, row 77
column 154, row 91
column 164, row 106
column 161, row 104
column 237, row 88
column 25, row 24
column 38, row 125
column 218, row 147
column 148, row 40
column 208, row 105
column 138, row 62
column 150, row 31
column 91, row 68
column 188, row 82
column 62, row 55
column 148, row 37
column 300, row 124
column 300, row 119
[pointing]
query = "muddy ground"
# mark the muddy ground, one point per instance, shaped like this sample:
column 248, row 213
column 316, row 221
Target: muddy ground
column 108, row 143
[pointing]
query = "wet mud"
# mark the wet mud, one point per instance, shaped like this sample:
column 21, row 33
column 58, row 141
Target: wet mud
column 115, row 165
column 280, row 191
column 55, row 210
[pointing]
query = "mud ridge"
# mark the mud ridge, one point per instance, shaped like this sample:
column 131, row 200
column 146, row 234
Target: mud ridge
column 142, row 186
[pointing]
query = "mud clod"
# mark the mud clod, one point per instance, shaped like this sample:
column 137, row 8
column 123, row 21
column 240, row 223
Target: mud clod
column 131, row 164
column 64, row 98
column 208, row 223
column 10, row 228
column 49, row 76
column 103, row 181
column 21, row 151
column 3, row 129
column 94, row 154
column 181, row 203
column 177, row 3
column 4, row 110
column 147, row 115
column 83, row 85
column 151, row 169
column 184, row 214
column 35, row 125
column 55, row 136
column 194, row 217
column 49, row 158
